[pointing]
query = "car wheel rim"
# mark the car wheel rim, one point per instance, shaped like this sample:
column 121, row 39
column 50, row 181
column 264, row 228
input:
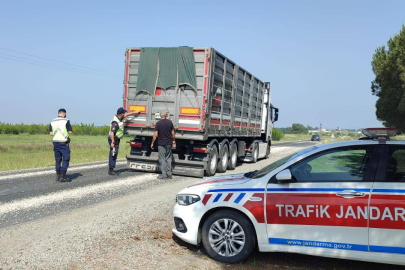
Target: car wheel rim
column 226, row 237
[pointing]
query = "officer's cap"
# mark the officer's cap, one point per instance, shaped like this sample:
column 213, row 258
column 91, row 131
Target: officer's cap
column 121, row 110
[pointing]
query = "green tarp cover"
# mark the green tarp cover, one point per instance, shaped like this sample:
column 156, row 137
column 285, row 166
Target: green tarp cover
column 166, row 67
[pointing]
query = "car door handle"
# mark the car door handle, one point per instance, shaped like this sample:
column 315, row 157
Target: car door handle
column 350, row 193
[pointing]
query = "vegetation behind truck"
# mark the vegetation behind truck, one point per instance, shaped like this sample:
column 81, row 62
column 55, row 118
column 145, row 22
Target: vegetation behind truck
column 226, row 117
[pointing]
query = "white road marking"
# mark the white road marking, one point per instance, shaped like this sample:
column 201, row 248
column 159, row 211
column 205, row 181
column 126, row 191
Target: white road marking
column 46, row 172
column 76, row 193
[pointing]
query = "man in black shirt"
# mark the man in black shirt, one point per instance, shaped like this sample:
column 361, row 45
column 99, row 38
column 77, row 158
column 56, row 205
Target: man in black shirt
column 164, row 132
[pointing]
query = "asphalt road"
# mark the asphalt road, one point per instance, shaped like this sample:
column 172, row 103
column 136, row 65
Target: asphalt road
column 23, row 191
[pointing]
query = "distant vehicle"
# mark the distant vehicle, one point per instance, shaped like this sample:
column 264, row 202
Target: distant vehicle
column 341, row 200
column 220, row 111
column 315, row 137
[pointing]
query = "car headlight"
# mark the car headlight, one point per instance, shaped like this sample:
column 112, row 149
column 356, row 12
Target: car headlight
column 187, row 199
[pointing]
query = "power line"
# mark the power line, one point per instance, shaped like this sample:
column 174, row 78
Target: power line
column 56, row 67
column 48, row 59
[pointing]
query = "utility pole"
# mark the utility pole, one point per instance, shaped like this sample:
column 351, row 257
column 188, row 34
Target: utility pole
column 320, row 129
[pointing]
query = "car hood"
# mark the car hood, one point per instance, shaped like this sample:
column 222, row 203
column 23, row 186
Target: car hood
column 232, row 179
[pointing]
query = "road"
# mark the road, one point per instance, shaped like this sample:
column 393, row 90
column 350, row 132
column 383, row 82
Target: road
column 22, row 192
column 121, row 222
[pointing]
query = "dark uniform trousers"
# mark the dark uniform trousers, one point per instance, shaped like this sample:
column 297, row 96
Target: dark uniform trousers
column 112, row 160
column 165, row 159
column 62, row 156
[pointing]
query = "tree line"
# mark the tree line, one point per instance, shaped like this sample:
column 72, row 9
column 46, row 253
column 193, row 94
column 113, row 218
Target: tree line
column 79, row 129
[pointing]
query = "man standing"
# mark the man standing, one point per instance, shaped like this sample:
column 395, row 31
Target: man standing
column 116, row 134
column 164, row 132
column 60, row 129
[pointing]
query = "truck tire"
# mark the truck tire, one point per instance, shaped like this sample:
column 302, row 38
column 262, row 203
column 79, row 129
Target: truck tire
column 212, row 161
column 219, row 240
column 255, row 153
column 268, row 150
column 233, row 157
column 223, row 159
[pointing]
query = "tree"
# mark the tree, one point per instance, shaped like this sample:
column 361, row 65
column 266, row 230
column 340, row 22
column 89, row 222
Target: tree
column 389, row 84
column 299, row 129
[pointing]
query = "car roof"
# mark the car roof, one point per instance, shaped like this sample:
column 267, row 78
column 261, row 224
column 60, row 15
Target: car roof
column 358, row 142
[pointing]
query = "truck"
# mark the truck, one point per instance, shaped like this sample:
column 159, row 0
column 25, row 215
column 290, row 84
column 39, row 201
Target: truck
column 221, row 112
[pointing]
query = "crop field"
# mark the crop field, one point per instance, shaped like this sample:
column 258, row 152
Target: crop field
column 25, row 151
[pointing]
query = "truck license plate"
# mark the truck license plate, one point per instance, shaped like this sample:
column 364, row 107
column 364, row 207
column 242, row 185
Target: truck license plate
column 144, row 167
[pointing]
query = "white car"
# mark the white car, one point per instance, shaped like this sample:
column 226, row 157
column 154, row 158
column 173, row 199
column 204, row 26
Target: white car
column 341, row 200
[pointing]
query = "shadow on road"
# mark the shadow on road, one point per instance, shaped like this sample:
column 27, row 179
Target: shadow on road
column 124, row 170
column 74, row 176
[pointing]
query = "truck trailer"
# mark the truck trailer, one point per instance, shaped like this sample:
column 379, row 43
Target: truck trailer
column 221, row 112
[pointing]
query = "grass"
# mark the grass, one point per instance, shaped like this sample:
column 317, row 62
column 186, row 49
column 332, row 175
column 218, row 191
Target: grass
column 25, row 151
column 294, row 137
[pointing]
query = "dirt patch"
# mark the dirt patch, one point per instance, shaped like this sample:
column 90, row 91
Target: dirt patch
column 161, row 234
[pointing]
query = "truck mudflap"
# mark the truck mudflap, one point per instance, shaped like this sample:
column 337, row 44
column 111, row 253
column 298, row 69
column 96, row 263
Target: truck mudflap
column 180, row 167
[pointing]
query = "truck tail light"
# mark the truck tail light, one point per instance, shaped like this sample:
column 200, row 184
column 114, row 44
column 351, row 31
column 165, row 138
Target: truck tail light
column 248, row 149
column 135, row 144
column 141, row 108
column 189, row 111
column 200, row 149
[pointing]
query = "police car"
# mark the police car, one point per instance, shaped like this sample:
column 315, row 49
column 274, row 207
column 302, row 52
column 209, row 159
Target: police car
column 342, row 200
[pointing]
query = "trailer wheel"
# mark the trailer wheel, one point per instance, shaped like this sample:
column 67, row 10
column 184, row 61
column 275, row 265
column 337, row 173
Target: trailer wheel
column 224, row 159
column 233, row 157
column 212, row 161
column 268, row 151
column 255, row 153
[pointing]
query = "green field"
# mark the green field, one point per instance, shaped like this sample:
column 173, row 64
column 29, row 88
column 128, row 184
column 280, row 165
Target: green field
column 294, row 137
column 25, row 151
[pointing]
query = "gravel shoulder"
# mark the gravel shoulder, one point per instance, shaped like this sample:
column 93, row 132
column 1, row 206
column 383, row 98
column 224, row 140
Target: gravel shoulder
column 133, row 232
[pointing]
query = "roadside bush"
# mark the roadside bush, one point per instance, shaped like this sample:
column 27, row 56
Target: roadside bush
column 277, row 135
column 10, row 129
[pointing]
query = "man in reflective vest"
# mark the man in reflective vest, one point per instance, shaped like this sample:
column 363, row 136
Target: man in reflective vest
column 116, row 134
column 60, row 129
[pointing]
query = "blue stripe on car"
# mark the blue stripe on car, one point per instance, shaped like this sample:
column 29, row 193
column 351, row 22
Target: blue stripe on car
column 240, row 197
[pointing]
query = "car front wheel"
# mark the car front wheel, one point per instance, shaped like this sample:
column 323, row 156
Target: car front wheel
column 228, row 236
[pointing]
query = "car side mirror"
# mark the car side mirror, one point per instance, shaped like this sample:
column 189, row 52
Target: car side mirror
column 284, row 176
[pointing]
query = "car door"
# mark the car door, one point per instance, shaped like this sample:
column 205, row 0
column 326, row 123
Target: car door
column 387, row 206
column 324, row 208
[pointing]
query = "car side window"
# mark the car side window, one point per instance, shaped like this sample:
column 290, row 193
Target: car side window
column 396, row 165
column 342, row 165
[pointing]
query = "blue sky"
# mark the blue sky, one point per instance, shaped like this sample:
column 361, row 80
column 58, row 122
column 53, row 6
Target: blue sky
column 316, row 54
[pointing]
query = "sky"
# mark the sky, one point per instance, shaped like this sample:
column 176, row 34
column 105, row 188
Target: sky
column 316, row 54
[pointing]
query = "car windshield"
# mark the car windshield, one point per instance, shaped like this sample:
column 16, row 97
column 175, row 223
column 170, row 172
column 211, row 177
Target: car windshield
column 280, row 162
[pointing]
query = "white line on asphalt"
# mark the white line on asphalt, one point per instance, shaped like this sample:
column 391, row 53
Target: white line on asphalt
column 74, row 169
column 76, row 193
